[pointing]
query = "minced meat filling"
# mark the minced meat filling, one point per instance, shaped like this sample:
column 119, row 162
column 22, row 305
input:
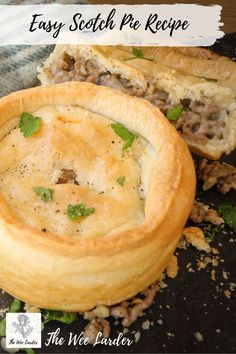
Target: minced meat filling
column 199, row 122
column 221, row 174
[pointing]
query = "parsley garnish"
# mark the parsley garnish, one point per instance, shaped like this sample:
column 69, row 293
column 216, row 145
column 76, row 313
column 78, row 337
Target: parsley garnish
column 137, row 53
column 28, row 350
column 124, row 134
column 64, row 317
column 229, row 214
column 121, row 181
column 13, row 308
column 174, row 113
column 77, row 211
column 3, row 327
column 44, row 193
column 29, row 124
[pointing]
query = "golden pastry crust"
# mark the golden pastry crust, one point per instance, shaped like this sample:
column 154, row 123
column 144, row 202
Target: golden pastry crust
column 196, row 61
column 76, row 274
column 144, row 78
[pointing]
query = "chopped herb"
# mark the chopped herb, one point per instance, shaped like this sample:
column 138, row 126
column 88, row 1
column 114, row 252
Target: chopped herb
column 3, row 327
column 124, row 134
column 121, row 181
column 207, row 79
column 174, row 113
column 210, row 231
column 29, row 124
column 77, row 211
column 13, row 308
column 229, row 214
column 44, row 193
column 28, row 350
column 64, row 317
column 137, row 53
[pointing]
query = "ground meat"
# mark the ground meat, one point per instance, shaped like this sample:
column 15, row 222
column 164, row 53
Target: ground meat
column 130, row 88
column 132, row 309
column 109, row 80
column 185, row 103
column 200, row 121
column 221, row 174
column 62, row 69
column 67, row 68
column 157, row 97
column 67, row 176
column 94, row 327
column 116, row 82
column 201, row 212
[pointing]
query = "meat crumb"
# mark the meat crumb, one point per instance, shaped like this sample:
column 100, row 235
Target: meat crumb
column 213, row 275
column 198, row 336
column 137, row 336
column 131, row 310
column 202, row 212
column 146, row 325
column 214, row 262
column 201, row 264
column 221, row 174
column 214, row 250
column 225, row 275
column 227, row 293
column 94, row 327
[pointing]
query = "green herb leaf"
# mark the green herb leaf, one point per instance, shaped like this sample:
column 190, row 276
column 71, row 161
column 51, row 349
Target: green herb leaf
column 3, row 327
column 15, row 306
column 121, row 181
column 64, row 317
column 76, row 211
column 229, row 214
column 124, row 134
column 28, row 350
column 44, row 193
column 174, row 113
column 29, row 124
column 138, row 53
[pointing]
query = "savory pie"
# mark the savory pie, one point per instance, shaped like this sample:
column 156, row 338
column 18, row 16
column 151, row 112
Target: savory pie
column 95, row 189
column 197, row 61
column 202, row 110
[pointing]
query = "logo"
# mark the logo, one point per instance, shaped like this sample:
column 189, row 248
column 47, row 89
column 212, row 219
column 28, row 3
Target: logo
column 23, row 330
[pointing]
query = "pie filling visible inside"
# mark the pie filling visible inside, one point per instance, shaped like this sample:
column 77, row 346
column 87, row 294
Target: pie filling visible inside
column 199, row 121
column 75, row 176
